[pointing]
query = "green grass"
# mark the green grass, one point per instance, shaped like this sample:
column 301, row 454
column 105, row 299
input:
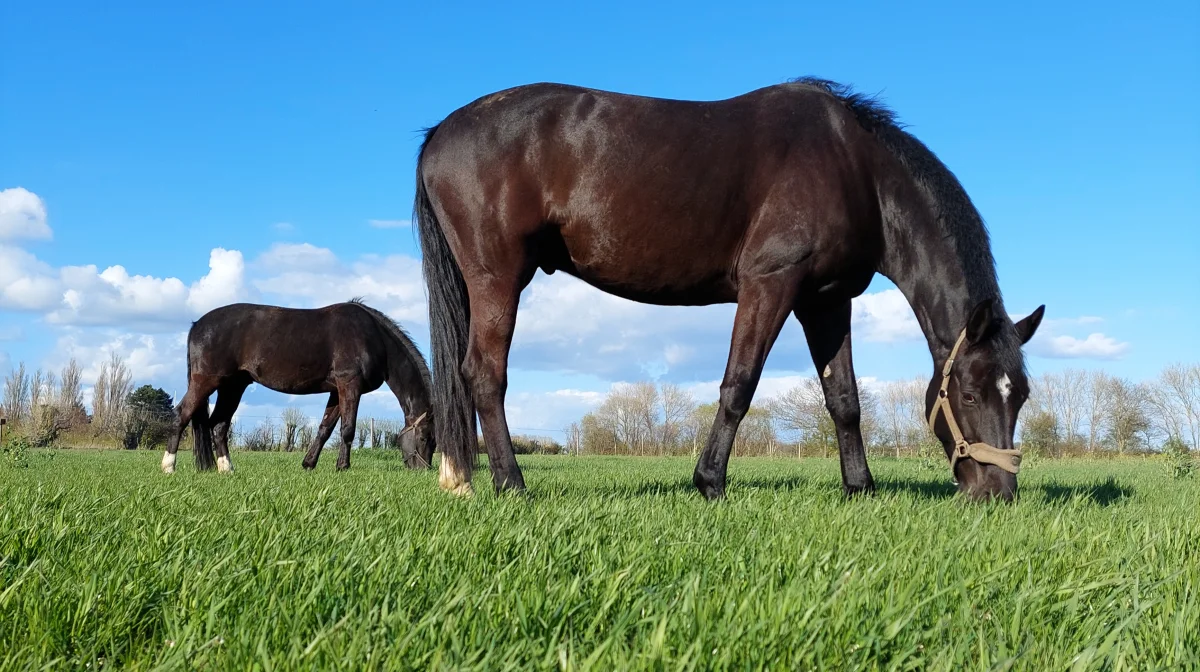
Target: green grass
column 607, row 563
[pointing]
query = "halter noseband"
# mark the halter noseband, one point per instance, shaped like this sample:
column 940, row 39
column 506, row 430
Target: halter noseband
column 1008, row 460
column 416, row 423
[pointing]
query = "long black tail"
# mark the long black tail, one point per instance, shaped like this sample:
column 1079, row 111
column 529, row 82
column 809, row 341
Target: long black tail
column 202, row 440
column 202, row 436
column 449, row 322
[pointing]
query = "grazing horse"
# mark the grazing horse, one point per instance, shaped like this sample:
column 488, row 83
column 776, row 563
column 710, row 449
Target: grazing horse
column 347, row 350
column 785, row 200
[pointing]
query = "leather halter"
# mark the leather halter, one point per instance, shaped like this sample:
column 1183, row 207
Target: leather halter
column 1008, row 460
column 416, row 423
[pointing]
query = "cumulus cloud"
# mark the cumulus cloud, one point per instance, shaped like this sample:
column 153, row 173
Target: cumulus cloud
column 114, row 297
column 308, row 276
column 1054, row 340
column 22, row 216
column 1094, row 346
column 282, row 257
column 158, row 359
column 884, row 317
column 26, row 283
column 389, row 223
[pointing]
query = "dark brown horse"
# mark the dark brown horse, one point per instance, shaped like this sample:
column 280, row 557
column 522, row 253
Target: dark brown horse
column 346, row 350
column 785, row 200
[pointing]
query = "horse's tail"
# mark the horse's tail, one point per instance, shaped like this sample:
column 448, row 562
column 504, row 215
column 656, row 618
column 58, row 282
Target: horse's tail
column 202, row 436
column 449, row 322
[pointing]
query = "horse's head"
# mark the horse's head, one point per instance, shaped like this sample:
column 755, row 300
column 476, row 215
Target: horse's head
column 417, row 443
column 973, row 401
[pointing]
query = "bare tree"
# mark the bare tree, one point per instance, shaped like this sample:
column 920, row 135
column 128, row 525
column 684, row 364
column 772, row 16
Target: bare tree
column 70, row 394
column 676, row 404
column 1072, row 390
column 1127, row 414
column 113, row 386
column 896, row 417
column 801, row 410
column 39, row 389
column 1175, row 400
column 292, row 421
column 575, row 435
column 16, row 395
column 1098, row 384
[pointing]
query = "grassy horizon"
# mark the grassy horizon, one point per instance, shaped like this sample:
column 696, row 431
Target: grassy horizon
column 606, row 563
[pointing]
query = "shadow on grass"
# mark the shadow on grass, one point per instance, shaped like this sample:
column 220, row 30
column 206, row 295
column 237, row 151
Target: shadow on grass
column 1101, row 493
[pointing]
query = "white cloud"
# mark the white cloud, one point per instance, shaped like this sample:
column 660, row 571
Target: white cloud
column 284, row 257
column 114, row 297
column 312, row 277
column 389, row 223
column 884, row 317
column 22, row 216
column 157, row 359
column 283, row 227
column 26, row 283
column 548, row 413
column 5, row 362
column 1095, row 346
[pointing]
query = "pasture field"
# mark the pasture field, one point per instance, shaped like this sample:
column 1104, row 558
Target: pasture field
column 607, row 563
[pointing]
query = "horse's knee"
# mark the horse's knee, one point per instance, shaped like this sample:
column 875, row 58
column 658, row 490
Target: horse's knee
column 736, row 394
column 843, row 408
column 486, row 379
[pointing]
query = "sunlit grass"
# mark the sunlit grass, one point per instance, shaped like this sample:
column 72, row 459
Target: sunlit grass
column 607, row 563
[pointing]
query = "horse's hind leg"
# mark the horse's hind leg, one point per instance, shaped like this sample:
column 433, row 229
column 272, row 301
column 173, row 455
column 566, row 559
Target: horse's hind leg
column 828, row 334
column 762, row 308
column 197, row 393
column 229, row 395
column 349, row 408
column 493, row 318
column 324, row 430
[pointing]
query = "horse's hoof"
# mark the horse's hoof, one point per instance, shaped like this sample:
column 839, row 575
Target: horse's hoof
column 224, row 466
column 710, row 488
column 463, row 490
column 168, row 463
column 853, row 491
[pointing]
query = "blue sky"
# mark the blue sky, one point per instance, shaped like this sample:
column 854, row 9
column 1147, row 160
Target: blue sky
column 146, row 136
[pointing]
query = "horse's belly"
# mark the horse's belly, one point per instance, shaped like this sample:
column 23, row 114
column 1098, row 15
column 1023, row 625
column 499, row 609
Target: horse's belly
column 672, row 269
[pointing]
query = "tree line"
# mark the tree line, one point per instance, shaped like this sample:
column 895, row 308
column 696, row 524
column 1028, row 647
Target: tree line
column 1069, row 413
column 42, row 408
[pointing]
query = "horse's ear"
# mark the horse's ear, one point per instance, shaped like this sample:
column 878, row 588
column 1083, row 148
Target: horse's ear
column 982, row 322
column 1028, row 326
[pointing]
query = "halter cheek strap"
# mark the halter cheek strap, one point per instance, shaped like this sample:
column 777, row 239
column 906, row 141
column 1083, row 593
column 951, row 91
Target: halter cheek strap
column 1008, row 460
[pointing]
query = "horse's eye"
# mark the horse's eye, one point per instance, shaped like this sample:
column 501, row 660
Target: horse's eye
column 968, row 398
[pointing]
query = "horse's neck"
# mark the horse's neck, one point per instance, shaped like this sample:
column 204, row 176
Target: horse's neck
column 925, row 266
column 405, row 380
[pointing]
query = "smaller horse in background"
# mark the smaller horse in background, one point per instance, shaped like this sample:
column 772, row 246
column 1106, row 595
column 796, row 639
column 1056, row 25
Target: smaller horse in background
column 346, row 350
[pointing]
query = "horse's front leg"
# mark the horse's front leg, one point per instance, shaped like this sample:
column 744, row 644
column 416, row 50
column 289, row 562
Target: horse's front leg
column 324, row 431
column 828, row 334
column 763, row 306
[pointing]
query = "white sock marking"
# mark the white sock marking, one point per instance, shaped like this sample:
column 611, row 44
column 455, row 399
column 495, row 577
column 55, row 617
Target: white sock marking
column 168, row 463
column 224, row 466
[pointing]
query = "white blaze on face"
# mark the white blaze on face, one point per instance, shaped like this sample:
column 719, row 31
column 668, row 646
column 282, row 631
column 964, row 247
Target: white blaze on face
column 168, row 463
column 1005, row 386
column 224, row 466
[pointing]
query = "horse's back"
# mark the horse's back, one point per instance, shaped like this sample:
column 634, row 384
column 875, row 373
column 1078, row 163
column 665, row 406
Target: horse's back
column 291, row 350
column 653, row 199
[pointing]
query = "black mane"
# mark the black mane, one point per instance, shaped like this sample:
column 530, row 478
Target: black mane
column 957, row 215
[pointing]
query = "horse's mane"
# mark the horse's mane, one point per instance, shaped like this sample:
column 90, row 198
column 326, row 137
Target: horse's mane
column 402, row 337
column 957, row 216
